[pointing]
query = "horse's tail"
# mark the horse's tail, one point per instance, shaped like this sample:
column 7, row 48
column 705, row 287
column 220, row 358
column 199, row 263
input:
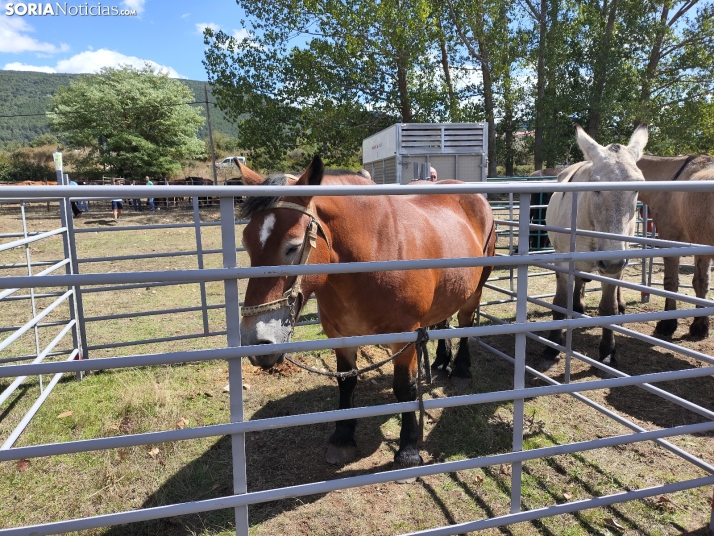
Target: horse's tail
column 489, row 248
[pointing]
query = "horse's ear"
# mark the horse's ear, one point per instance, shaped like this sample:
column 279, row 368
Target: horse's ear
column 638, row 141
column 313, row 174
column 590, row 148
column 250, row 177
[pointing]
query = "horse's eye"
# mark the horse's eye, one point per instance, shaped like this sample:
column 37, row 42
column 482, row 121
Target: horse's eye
column 292, row 250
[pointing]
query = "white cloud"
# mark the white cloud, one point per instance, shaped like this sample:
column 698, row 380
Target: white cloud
column 203, row 25
column 91, row 61
column 13, row 38
column 241, row 34
column 185, row 15
column 138, row 5
column 17, row 66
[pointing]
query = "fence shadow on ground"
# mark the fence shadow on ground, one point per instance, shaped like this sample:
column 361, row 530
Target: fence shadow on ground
column 292, row 456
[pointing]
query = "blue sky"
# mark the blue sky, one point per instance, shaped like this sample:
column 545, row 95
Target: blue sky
column 165, row 33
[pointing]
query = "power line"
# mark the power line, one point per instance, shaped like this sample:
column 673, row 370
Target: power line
column 203, row 102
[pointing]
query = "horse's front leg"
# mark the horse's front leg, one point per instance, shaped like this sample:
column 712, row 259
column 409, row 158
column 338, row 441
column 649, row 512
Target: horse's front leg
column 700, row 282
column 405, row 390
column 609, row 306
column 671, row 283
column 556, row 335
column 443, row 349
column 579, row 294
column 342, row 448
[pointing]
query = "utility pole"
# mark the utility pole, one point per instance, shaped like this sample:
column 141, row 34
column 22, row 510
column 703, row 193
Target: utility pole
column 210, row 137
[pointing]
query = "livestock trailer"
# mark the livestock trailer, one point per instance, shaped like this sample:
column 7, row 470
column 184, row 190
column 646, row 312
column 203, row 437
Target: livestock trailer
column 455, row 150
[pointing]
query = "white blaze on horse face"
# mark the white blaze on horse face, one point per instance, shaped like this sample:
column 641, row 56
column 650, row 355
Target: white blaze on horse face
column 268, row 225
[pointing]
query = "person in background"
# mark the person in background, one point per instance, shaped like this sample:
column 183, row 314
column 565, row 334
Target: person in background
column 117, row 205
column 136, row 203
column 151, row 199
column 75, row 209
column 432, row 175
column 83, row 204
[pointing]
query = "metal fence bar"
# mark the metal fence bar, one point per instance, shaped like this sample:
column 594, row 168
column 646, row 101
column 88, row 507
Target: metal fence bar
column 340, row 342
column 235, row 372
column 30, row 324
column 40, row 356
column 243, row 500
column 10, row 441
column 199, row 260
column 519, row 369
column 5, row 293
column 219, row 274
column 30, row 239
column 274, row 423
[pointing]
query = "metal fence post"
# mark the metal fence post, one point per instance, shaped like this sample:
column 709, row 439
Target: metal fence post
column 199, row 256
column 235, row 374
column 571, row 289
column 519, row 373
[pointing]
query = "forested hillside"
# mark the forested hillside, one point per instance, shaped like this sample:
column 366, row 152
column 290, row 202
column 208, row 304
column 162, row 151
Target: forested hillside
column 25, row 93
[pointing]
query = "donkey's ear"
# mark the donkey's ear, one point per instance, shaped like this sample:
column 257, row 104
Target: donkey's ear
column 250, row 177
column 313, row 174
column 638, row 141
column 590, row 148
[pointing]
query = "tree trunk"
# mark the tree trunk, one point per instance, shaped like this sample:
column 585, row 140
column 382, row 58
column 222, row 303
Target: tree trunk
column 403, row 87
column 454, row 112
column 643, row 111
column 540, row 90
column 488, row 107
column 600, row 72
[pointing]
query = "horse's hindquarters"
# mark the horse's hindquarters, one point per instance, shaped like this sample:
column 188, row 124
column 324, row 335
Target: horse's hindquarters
column 273, row 327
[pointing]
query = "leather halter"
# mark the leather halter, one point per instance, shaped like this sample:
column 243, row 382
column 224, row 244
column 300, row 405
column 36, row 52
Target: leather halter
column 294, row 293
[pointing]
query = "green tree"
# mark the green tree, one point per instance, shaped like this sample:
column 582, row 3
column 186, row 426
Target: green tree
column 131, row 121
column 362, row 67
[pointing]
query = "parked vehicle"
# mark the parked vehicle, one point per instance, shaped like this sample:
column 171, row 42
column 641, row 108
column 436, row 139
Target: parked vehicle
column 229, row 161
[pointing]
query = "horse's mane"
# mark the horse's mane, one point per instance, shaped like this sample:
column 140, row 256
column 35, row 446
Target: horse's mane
column 253, row 204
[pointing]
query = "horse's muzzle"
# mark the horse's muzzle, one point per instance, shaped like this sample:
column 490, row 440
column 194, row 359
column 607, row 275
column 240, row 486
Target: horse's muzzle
column 611, row 267
column 266, row 361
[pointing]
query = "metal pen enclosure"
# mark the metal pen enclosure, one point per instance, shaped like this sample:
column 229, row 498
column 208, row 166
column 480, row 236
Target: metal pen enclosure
column 456, row 150
column 521, row 328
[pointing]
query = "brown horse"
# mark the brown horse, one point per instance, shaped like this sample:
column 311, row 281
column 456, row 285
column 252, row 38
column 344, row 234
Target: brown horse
column 337, row 229
column 684, row 217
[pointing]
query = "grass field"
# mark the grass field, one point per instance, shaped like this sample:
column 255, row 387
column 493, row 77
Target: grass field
column 117, row 402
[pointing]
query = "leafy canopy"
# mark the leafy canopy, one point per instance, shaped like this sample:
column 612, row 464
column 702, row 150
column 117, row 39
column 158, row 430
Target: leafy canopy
column 131, row 121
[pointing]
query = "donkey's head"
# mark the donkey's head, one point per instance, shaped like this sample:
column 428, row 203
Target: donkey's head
column 614, row 211
column 281, row 231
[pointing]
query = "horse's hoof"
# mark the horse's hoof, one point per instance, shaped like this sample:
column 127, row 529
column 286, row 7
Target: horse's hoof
column 407, row 457
column 700, row 328
column 666, row 327
column 610, row 361
column 439, row 374
column 550, row 354
column 621, row 308
column 460, row 384
column 406, row 480
column 546, row 365
column 340, row 455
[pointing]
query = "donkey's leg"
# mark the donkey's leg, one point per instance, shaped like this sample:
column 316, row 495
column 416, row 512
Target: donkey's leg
column 579, row 295
column 608, row 307
column 671, row 283
column 556, row 335
column 621, row 305
column 443, row 349
column 700, row 282
column 342, row 447
column 405, row 390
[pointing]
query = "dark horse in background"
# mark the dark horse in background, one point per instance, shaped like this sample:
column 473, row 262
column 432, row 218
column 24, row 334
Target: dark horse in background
column 299, row 229
column 538, row 238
